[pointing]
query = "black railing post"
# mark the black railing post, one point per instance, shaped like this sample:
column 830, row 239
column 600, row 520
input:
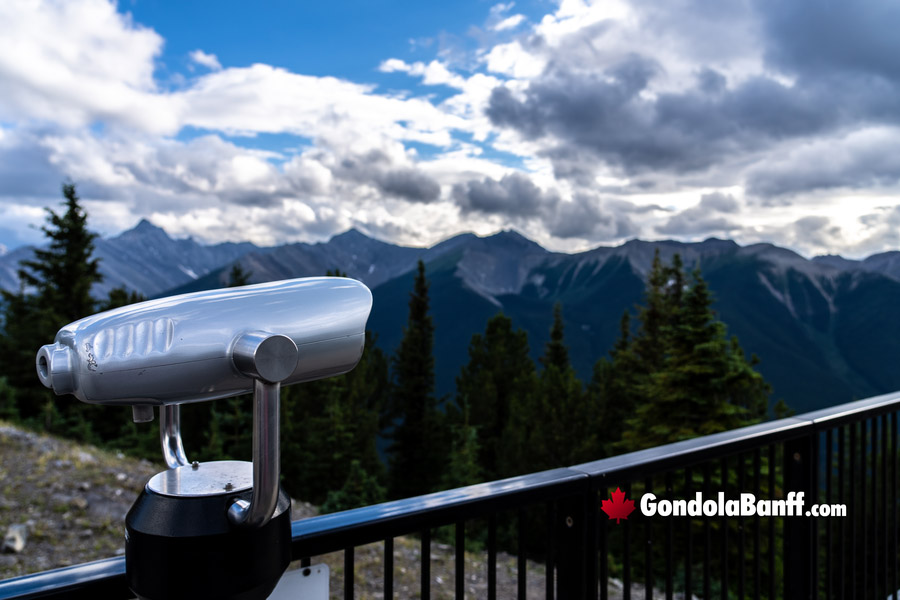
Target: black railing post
column 571, row 560
column 798, row 542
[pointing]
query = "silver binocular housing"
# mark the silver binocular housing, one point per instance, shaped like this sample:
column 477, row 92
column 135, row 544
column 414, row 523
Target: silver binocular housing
column 210, row 345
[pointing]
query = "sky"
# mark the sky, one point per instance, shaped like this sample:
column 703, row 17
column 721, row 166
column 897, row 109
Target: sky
column 576, row 123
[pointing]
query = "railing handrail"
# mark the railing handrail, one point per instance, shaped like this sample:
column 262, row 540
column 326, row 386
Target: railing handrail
column 326, row 533
column 75, row 581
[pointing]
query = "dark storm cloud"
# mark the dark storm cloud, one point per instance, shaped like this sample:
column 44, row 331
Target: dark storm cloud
column 588, row 218
column 882, row 229
column 409, row 184
column 26, row 169
column 514, row 195
column 813, row 37
column 719, row 202
column 816, row 230
column 842, row 62
column 590, row 116
column 704, row 218
column 376, row 168
column 811, row 224
column 863, row 160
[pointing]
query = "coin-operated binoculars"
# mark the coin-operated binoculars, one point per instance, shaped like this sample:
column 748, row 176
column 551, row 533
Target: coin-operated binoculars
column 215, row 529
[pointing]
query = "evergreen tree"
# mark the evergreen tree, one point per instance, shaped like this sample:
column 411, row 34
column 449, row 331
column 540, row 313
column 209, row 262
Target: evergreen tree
column 120, row 296
column 463, row 466
column 555, row 353
column 704, row 384
column 616, row 387
column 359, row 489
column 499, row 371
column 8, row 410
column 328, row 424
column 55, row 290
column 556, row 426
column 238, row 276
column 656, row 312
column 418, row 446
column 23, row 320
column 63, row 273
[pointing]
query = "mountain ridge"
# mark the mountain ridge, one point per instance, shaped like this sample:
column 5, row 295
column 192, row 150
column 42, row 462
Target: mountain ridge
column 142, row 258
column 824, row 328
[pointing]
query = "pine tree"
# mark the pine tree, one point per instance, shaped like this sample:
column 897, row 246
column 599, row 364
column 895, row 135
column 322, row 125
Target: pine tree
column 62, row 274
column 648, row 345
column 704, row 384
column 463, row 464
column 328, row 424
column 499, row 373
column 359, row 489
column 23, row 320
column 121, row 296
column 617, row 386
column 418, row 446
column 556, row 426
column 55, row 290
column 555, row 353
column 238, row 276
column 8, row 410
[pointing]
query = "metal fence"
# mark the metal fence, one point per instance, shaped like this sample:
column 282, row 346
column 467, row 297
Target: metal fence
column 845, row 455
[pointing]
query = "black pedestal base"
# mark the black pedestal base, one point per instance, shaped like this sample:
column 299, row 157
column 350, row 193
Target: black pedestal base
column 185, row 548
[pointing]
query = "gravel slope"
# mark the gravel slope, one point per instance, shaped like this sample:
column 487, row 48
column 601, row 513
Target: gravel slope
column 72, row 500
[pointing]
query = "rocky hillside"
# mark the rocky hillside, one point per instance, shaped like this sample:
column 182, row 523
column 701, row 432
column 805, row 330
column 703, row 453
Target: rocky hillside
column 62, row 503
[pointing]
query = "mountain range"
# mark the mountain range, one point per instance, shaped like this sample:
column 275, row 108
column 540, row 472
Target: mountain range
column 826, row 330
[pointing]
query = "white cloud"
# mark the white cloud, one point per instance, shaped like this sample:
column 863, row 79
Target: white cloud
column 71, row 63
column 509, row 23
column 434, row 73
column 207, row 60
column 79, row 98
column 261, row 98
column 393, row 65
column 513, row 60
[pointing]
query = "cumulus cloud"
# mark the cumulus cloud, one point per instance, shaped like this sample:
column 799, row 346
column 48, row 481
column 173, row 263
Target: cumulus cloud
column 392, row 175
column 499, row 18
column 817, row 231
column 865, row 158
column 514, row 195
column 800, row 37
column 434, row 73
column 510, row 22
column 697, row 87
column 77, row 62
column 589, row 218
column 705, row 218
column 611, row 117
column 207, row 60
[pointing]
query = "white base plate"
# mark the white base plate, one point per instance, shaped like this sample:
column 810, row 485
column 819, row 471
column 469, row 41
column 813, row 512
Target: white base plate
column 306, row 583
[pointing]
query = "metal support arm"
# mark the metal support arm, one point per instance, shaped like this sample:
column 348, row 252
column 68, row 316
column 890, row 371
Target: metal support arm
column 266, row 459
column 170, row 436
column 269, row 359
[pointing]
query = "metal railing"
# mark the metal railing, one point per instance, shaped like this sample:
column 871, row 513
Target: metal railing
column 841, row 455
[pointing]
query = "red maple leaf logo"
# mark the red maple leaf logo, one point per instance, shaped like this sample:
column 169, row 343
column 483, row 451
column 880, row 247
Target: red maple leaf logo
column 618, row 507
